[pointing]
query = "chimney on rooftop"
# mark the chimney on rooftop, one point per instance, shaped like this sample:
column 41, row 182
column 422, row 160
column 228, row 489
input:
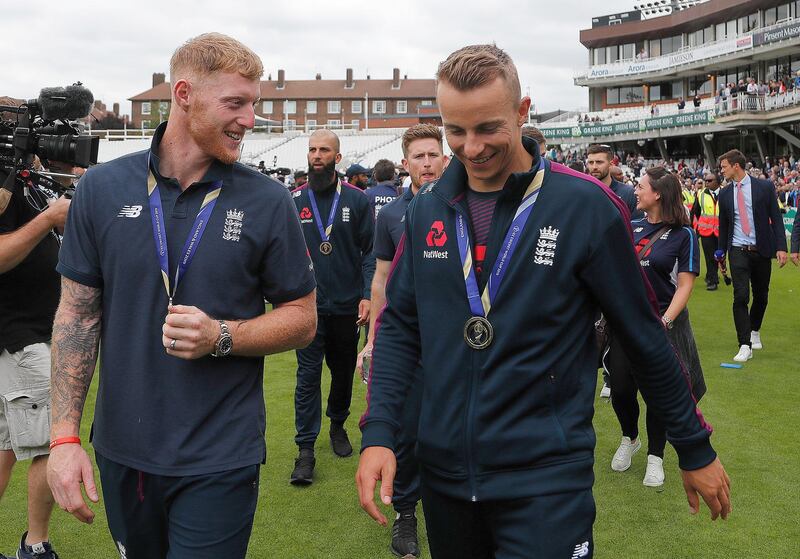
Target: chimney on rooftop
column 281, row 79
column 349, row 80
column 396, row 78
column 158, row 78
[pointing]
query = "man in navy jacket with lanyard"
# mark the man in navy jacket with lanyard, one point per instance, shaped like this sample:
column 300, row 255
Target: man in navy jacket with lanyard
column 505, row 438
column 338, row 227
column 168, row 258
column 751, row 232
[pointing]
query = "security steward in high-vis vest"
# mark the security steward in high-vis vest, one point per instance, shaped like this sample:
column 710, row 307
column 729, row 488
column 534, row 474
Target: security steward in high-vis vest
column 705, row 214
column 338, row 227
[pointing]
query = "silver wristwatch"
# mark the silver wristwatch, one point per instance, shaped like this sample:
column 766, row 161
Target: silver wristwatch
column 668, row 322
column 224, row 344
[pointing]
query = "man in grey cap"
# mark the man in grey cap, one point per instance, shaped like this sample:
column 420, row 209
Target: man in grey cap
column 358, row 176
column 300, row 178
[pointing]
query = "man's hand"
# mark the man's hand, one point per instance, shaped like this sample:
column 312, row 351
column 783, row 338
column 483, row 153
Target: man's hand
column 67, row 468
column 796, row 258
column 713, row 484
column 363, row 312
column 56, row 212
column 194, row 333
column 782, row 257
column 376, row 463
column 360, row 358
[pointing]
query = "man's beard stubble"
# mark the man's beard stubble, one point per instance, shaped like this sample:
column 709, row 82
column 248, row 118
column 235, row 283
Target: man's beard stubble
column 321, row 179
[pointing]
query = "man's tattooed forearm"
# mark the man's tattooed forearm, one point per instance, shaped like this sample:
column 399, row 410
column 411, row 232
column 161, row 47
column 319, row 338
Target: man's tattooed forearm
column 76, row 333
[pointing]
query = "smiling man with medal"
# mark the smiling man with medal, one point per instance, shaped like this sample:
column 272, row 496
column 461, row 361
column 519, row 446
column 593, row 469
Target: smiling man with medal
column 338, row 227
column 494, row 290
column 182, row 227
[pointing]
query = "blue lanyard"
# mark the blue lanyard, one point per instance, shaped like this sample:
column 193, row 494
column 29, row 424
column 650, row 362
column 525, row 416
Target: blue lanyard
column 325, row 232
column 160, row 232
column 480, row 305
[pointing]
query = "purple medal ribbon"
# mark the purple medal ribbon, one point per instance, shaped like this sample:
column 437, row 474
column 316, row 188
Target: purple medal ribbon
column 325, row 232
column 480, row 305
column 160, row 232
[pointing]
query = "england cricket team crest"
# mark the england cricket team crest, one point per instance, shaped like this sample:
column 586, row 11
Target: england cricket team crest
column 546, row 246
column 232, row 229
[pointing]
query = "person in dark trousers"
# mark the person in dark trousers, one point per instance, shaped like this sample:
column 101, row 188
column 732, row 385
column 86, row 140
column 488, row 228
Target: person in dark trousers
column 385, row 190
column 29, row 292
column 169, row 255
column 751, row 232
column 706, row 211
column 338, row 227
column 796, row 240
column 598, row 163
column 669, row 257
column 505, row 338
column 424, row 160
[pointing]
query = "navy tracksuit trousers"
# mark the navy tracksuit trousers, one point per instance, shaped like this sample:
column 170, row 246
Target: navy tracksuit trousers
column 336, row 343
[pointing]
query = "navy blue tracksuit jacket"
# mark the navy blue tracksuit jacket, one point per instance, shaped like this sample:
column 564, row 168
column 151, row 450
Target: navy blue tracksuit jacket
column 515, row 419
column 344, row 277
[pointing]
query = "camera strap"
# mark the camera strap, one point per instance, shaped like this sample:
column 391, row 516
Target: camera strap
column 160, row 232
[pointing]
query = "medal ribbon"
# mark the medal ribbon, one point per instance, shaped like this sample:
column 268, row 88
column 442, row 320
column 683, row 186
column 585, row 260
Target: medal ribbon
column 326, row 232
column 160, row 232
column 480, row 305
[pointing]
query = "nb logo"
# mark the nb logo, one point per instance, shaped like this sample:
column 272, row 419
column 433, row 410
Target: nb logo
column 130, row 211
column 581, row 550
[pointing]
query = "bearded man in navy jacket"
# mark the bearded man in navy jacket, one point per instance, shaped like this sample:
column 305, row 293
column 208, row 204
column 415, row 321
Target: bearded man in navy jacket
column 505, row 339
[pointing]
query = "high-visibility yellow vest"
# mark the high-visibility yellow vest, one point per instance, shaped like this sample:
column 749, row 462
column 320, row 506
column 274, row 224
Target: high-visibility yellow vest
column 688, row 198
column 708, row 224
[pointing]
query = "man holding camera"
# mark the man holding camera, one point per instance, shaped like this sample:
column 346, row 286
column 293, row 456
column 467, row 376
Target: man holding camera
column 29, row 292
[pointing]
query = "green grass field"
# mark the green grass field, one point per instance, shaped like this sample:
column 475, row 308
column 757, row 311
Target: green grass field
column 754, row 412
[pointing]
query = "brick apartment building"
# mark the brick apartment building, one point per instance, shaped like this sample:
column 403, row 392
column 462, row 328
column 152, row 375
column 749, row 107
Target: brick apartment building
column 307, row 104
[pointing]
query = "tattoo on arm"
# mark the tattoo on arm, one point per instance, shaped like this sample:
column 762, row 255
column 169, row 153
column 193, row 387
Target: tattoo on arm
column 76, row 335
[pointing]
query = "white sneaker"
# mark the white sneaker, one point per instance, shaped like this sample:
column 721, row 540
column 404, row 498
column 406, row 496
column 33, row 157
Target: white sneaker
column 745, row 354
column 755, row 340
column 654, row 474
column 623, row 455
column 605, row 392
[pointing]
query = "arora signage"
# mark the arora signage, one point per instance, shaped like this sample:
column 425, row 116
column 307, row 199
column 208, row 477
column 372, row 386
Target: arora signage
column 657, row 123
column 783, row 32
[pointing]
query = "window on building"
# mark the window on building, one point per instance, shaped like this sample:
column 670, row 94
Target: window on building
column 311, row 124
column 671, row 44
column 796, row 9
column 289, row 107
column 355, row 107
column 335, row 123
column 730, row 28
column 402, row 107
column 700, row 85
column 748, row 23
column 770, row 16
column 311, row 107
column 146, row 107
column 355, row 124
column 720, row 31
column 612, row 96
column 655, row 47
column 612, row 53
column 334, row 107
column 266, row 107
column 427, row 103
column 783, row 12
column 145, row 124
column 665, row 91
column 627, row 51
column 624, row 95
column 379, row 107
column 290, row 124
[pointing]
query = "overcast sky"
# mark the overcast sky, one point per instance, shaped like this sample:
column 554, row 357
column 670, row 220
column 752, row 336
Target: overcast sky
column 113, row 47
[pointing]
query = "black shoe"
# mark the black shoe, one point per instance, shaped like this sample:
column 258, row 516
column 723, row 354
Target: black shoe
column 303, row 473
column 404, row 536
column 339, row 441
column 711, row 287
column 41, row 550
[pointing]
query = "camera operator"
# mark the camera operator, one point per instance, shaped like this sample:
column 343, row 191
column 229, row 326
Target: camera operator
column 29, row 294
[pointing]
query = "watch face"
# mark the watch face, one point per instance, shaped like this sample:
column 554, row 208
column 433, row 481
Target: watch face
column 224, row 345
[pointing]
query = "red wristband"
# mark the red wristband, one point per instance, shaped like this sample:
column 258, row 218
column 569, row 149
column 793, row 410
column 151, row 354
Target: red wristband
column 64, row 440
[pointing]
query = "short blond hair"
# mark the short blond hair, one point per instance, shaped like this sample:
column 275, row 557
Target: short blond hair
column 214, row 52
column 419, row 132
column 473, row 66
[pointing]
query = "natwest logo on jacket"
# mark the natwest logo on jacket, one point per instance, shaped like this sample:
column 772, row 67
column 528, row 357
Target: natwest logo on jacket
column 305, row 215
column 436, row 236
